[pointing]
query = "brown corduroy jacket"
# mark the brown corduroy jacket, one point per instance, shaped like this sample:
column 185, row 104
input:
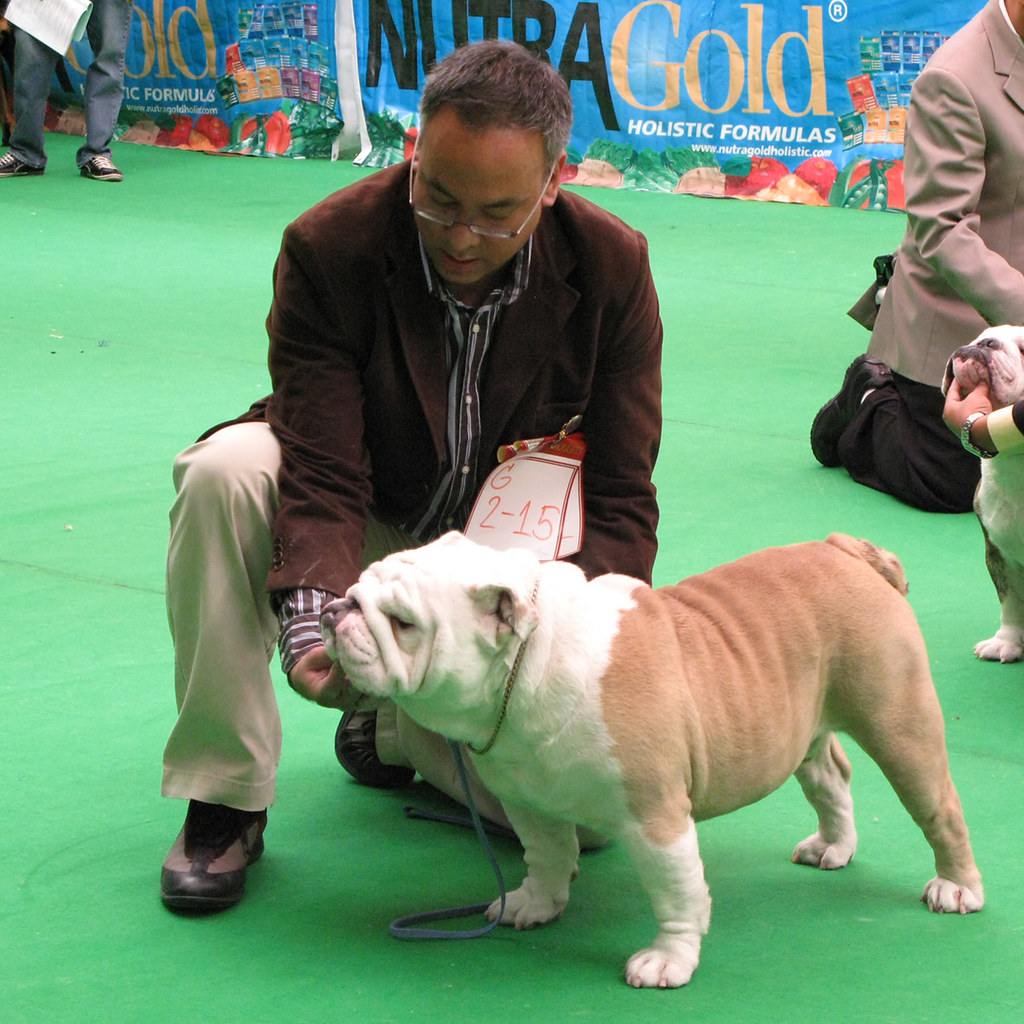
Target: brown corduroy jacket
column 357, row 364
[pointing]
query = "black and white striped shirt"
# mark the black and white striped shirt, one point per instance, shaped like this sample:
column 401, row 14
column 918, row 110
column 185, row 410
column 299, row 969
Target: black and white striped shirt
column 467, row 335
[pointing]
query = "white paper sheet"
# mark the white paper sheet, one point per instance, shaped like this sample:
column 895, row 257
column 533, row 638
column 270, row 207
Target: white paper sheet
column 57, row 23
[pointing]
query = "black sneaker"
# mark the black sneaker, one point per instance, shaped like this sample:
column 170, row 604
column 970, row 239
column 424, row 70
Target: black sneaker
column 205, row 869
column 355, row 744
column 12, row 167
column 101, row 168
column 835, row 416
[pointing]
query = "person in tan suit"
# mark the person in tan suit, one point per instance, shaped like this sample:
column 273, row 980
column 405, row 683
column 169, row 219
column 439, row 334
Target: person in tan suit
column 422, row 317
column 957, row 270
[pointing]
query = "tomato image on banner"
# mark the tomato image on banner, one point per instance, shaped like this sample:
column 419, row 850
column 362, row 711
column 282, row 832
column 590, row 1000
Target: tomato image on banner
column 746, row 176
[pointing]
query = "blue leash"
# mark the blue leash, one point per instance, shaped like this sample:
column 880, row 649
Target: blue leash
column 405, row 927
column 490, row 827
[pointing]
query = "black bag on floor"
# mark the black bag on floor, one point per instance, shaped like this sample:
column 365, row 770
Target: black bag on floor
column 865, row 309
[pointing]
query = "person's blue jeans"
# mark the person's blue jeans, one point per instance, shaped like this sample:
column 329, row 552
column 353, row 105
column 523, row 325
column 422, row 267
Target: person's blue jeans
column 34, row 64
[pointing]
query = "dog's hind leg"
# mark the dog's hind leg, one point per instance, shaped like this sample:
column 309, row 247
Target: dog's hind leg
column 905, row 735
column 933, row 803
column 824, row 777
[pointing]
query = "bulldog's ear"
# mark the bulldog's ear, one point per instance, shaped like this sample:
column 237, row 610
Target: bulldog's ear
column 511, row 611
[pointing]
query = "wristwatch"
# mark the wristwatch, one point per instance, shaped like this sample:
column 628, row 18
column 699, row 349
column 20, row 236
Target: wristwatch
column 965, row 437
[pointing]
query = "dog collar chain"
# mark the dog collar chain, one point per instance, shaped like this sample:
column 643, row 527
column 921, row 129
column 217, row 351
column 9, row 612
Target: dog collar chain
column 965, row 437
column 509, row 683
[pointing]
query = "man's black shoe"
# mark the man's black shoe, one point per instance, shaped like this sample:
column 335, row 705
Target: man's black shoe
column 206, row 867
column 355, row 744
column 835, row 416
column 12, row 167
column 100, row 168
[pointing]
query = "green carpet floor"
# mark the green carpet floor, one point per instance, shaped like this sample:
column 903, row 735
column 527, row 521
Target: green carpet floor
column 132, row 318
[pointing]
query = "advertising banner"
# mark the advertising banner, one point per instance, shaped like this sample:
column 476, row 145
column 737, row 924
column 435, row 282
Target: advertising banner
column 793, row 101
column 789, row 101
column 233, row 76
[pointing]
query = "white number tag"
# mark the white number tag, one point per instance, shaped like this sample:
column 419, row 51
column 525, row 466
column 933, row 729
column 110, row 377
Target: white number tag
column 534, row 499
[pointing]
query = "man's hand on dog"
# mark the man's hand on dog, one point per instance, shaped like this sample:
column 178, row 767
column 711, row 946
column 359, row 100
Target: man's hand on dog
column 318, row 678
column 960, row 405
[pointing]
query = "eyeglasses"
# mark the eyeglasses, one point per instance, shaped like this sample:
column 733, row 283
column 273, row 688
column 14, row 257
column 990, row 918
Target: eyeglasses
column 436, row 217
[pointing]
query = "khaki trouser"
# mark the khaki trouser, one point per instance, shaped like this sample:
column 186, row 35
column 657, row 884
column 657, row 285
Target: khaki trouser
column 226, row 744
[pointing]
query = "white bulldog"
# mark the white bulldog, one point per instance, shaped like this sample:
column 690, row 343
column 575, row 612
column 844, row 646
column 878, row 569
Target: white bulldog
column 996, row 357
column 636, row 712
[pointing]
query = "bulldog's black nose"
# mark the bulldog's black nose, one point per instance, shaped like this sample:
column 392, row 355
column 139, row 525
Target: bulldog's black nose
column 979, row 352
column 331, row 614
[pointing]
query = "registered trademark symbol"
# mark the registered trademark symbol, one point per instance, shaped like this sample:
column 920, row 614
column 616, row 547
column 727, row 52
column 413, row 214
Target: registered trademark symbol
column 838, row 10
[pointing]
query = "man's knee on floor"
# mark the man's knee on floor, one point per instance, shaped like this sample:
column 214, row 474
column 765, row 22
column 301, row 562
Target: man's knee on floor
column 243, row 458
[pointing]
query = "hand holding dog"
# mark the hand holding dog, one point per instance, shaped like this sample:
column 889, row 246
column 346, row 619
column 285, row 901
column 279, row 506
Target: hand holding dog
column 318, row 678
column 959, row 406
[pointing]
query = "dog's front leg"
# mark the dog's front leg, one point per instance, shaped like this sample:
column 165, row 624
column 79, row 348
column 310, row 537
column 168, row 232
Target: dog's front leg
column 551, row 850
column 1008, row 578
column 673, row 876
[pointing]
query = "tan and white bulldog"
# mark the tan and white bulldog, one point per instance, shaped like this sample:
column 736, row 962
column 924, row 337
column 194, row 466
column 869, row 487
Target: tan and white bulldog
column 996, row 357
column 637, row 711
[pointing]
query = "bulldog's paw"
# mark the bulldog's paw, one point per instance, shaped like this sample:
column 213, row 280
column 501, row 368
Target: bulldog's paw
column 526, row 908
column 946, row 897
column 658, row 968
column 1005, row 646
column 817, row 852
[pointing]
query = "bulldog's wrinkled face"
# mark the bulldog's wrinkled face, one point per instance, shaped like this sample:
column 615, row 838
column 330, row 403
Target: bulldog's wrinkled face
column 995, row 357
column 432, row 617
